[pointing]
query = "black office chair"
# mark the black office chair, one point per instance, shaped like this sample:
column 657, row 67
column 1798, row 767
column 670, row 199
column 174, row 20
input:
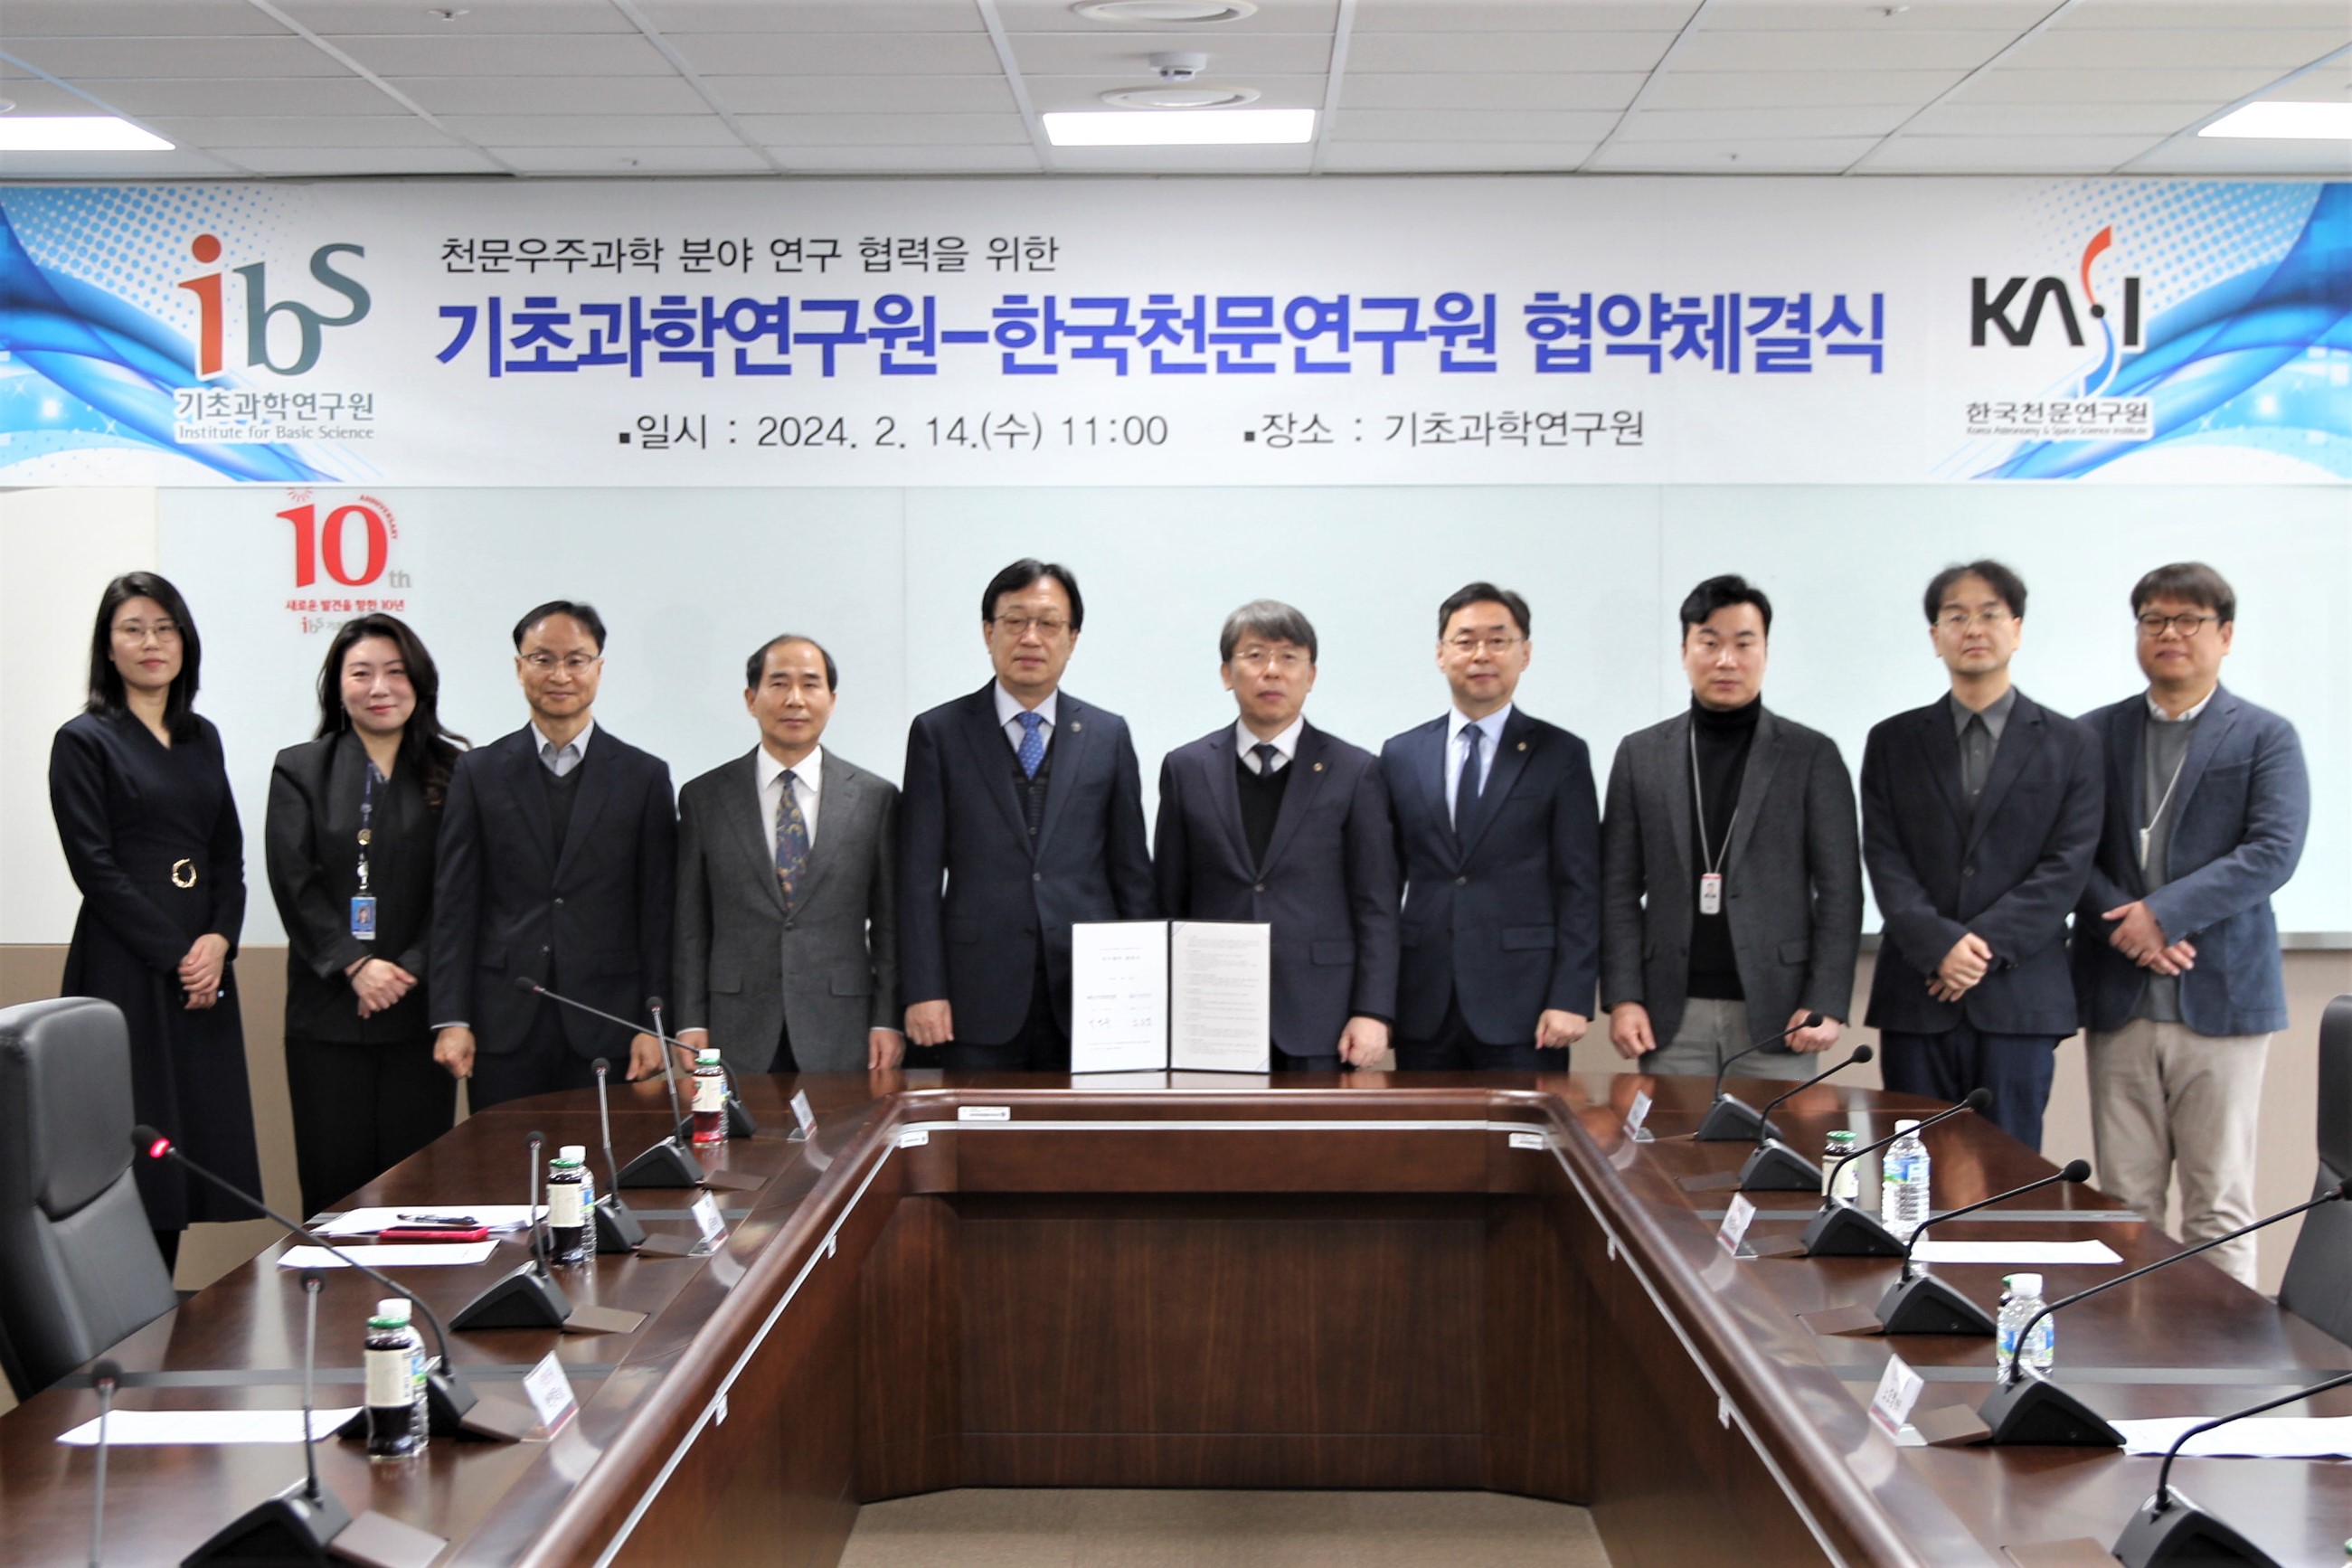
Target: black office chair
column 2318, row 1283
column 78, row 1265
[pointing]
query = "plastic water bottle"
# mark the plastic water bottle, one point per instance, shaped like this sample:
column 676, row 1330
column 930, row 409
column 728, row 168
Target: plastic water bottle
column 2021, row 1298
column 397, row 1427
column 709, row 1097
column 1902, row 1181
column 567, row 1214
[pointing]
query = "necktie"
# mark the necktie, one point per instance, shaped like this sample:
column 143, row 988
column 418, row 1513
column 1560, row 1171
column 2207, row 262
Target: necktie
column 1033, row 743
column 1265, row 754
column 1465, row 786
column 792, row 842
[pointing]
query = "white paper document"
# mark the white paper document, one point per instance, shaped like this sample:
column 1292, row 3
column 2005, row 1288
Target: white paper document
column 208, row 1427
column 414, row 1254
column 2256, row 1437
column 1150, row 995
column 1936, row 1251
column 367, row 1222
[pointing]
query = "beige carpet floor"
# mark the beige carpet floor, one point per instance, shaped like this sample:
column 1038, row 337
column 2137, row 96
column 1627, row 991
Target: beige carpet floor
column 1118, row 1529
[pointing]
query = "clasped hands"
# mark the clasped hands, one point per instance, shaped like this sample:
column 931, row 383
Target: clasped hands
column 2139, row 936
column 201, row 970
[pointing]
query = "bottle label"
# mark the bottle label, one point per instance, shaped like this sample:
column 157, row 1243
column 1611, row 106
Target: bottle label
column 564, row 1205
column 390, row 1378
column 709, row 1091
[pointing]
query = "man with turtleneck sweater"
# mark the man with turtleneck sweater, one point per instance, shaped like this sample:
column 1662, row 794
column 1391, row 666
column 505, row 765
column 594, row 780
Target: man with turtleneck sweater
column 1731, row 870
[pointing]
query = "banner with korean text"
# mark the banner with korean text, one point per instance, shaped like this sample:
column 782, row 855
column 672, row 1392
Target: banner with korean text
column 1458, row 331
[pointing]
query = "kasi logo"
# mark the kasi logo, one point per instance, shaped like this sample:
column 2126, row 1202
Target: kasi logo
column 2022, row 306
column 309, row 324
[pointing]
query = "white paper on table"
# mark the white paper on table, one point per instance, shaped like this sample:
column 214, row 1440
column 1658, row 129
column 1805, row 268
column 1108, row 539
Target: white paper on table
column 367, row 1222
column 1220, row 1011
column 1118, row 996
column 1934, row 1250
column 208, row 1427
column 2256, row 1437
column 412, row 1255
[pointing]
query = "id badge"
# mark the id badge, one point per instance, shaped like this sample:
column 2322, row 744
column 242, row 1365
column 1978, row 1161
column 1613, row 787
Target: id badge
column 1710, row 893
column 364, row 918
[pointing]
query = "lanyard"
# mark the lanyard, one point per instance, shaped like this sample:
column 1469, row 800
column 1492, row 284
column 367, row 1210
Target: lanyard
column 367, row 815
column 1710, row 863
column 2158, row 815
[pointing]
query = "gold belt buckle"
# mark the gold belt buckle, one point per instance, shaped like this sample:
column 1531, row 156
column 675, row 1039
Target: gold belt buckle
column 184, row 873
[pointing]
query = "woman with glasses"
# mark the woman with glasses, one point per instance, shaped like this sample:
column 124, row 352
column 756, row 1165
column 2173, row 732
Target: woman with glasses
column 149, row 831
column 352, row 815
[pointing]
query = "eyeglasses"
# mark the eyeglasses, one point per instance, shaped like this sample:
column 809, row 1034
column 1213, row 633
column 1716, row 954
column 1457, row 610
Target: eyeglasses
column 2188, row 625
column 1017, row 626
column 1282, row 658
column 1473, row 646
column 570, row 663
column 1961, row 620
column 137, row 631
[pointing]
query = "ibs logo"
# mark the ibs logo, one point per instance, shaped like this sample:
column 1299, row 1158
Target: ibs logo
column 1987, row 310
column 260, row 310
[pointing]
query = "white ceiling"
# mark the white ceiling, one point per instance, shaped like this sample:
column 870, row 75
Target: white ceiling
column 310, row 88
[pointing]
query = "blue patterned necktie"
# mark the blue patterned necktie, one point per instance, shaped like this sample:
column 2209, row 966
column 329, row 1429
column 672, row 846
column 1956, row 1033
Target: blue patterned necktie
column 792, row 842
column 1033, row 743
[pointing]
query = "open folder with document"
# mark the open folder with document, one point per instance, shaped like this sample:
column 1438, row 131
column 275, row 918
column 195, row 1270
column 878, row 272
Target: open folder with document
column 1194, row 996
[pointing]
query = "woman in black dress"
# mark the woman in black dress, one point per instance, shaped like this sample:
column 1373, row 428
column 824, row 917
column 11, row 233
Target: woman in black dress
column 352, row 815
column 142, row 805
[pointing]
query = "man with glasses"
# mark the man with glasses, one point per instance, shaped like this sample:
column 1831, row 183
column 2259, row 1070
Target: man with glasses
column 557, row 862
column 1499, row 836
column 1270, row 820
column 1979, row 813
column 1022, row 814
column 1731, row 879
column 2175, row 950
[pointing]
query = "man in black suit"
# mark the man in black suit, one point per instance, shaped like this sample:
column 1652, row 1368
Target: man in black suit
column 1979, row 815
column 1499, row 836
column 1022, row 814
column 1270, row 820
column 556, row 861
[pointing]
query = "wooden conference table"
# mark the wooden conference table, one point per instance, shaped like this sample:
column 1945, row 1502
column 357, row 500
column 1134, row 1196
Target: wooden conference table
column 1417, row 1281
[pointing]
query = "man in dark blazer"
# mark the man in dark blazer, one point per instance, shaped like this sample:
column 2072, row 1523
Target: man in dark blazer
column 2176, row 963
column 557, row 860
column 1023, row 815
column 787, row 939
column 1499, row 837
column 1979, row 813
column 1270, row 820
column 1731, row 874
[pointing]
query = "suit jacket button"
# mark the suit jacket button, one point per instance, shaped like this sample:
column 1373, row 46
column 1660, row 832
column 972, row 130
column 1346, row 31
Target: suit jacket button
column 1965, row 871
column 1257, row 887
column 559, row 903
column 1461, row 881
column 542, row 948
column 1036, row 876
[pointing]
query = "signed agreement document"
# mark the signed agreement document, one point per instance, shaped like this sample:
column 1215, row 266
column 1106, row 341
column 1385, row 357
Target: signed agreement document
column 1155, row 994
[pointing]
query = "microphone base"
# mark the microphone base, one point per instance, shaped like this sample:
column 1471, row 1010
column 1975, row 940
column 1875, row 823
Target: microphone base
column 1776, row 1168
column 292, row 1527
column 2034, row 1410
column 665, row 1164
column 617, row 1229
column 1924, row 1304
column 2180, row 1533
column 1842, row 1231
column 525, row 1299
column 1731, row 1120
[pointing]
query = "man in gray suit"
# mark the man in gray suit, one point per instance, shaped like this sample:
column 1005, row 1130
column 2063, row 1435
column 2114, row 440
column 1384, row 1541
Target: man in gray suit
column 787, row 956
column 1730, row 867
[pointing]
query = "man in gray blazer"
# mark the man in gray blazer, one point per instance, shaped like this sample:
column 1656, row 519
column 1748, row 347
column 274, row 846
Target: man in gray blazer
column 1730, row 867
column 787, row 955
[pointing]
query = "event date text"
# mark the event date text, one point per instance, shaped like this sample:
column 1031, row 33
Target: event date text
column 979, row 432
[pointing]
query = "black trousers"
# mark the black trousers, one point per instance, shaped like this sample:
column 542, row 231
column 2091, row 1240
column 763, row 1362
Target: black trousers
column 543, row 1064
column 1041, row 1045
column 359, row 1109
column 1453, row 1048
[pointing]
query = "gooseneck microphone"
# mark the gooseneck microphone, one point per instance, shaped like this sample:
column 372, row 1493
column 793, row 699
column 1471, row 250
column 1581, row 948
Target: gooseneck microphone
column 1730, row 1119
column 526, row 1297
column 617, row 1229
column 1920, row 1303
column 666, row 1164
column 2172, row 1530
column 105, row 1377
column 2025, row 1408
column 1843, row 1229
column 1775, row 1167
column 448, row 1397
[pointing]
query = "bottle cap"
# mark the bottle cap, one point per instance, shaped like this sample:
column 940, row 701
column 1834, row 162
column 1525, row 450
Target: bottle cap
column 708, row 1057
column 572, row 1155
column 2025, row 1284
column 392, row 1309
column 1906, row 1125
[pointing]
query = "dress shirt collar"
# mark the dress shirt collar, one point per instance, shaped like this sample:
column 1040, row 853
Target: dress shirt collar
column 2157, row 715
column 577, row 745
column 1286, row 745
column 1009, row 708
column 1996, row 714
column 808, row 773
column 1492, row 724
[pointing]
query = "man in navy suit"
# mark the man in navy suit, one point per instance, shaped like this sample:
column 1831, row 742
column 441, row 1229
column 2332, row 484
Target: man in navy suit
column 1022, row 814
column 1979, row 813
column 1498, row 832
column 556, row 861
column 1270, row 820
column 2175, row 950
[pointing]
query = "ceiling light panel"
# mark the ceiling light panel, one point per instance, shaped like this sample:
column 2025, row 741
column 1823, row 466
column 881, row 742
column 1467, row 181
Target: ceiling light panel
column 1176, row 127
column 75, row 133
column 2287, row 121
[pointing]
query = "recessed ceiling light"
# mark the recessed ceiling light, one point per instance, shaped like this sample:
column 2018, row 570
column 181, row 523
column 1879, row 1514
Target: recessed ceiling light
column 1180, row 128
column 2302, row 121
column 1182, row 97
column 75, row 133
column 1166, row 13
